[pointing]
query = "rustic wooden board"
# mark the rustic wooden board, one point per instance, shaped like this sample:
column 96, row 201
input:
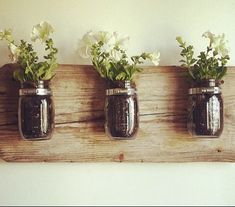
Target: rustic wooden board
column 79, row 135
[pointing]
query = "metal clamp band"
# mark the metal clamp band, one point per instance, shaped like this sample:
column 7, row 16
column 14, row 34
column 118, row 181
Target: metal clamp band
column 214, row 90
column 120, row 91
column 35, row 91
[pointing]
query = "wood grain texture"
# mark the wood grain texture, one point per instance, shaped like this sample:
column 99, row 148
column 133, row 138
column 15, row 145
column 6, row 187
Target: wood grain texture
column 79, row 135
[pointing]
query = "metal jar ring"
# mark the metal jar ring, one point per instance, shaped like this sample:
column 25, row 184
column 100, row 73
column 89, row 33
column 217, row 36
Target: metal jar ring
column 120, row 91
column 202, row 90
column 35, row 91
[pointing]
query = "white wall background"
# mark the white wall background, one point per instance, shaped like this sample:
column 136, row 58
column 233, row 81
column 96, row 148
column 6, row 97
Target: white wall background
column 152, row 24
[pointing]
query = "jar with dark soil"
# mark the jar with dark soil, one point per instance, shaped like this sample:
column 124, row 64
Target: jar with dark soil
column 205, row 112
column 36, row 111
column 121, row 110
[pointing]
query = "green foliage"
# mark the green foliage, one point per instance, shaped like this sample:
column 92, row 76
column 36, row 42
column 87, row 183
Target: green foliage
column 116, row 68
column 209, row 64
column 107, row 52
column 29, row 67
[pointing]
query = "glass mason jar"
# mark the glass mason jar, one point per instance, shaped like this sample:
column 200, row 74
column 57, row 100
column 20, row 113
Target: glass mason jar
column 36, row 111
column 205, row 115
column 121, row 110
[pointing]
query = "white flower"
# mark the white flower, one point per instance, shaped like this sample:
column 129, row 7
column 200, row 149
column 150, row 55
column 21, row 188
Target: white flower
column 105, row 37
column 89, row 38
column 217, row 42
column 116, row 55
column 219, row 45
column 41, row 31
column 83, row 49
column 121, row 41
column 108, row 43
column 106, row 48
column 154, row 57
column 15, row 51
column 209, row 35
column 85, row 44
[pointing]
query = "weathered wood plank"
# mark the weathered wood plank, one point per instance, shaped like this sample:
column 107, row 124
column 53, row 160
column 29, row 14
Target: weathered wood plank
column 79, row 134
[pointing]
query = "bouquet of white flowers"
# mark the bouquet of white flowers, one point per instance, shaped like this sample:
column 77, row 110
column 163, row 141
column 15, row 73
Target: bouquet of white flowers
column 107, row 52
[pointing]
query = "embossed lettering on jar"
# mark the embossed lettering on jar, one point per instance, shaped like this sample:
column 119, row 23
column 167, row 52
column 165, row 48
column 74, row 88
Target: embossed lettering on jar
column 205, row 118
column 36, row 111
column 121, row 110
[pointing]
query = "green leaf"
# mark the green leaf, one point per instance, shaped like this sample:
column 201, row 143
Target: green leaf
column 222, row 73
column 17, row 75
column 41, row 71
column 121, row 76
column 31, row 69
column 191, row 73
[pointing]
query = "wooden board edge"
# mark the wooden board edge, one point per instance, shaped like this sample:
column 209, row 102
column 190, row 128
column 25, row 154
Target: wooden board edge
column 211, row 159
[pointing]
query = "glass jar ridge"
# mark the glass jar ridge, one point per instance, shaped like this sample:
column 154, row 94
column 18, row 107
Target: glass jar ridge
column 36, row 111
column 121, row 110
column 205, row 109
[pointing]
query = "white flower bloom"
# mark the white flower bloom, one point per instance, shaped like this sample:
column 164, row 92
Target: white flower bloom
column 219, row 45
column 108, row 40
column 105, row 37
column 41, row 31
column 116, row 55
column 14, row 52
column 85, row 44
column 121, row 41
column 106, row 48
column 155, row 58
column 89, row 38
column 83, row 49
column 209, row 35
column 217, row 42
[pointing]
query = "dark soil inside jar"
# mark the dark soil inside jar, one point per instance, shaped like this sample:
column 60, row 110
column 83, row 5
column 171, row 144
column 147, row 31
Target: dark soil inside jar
column 206, row 115
column 122, row 111
column 37, row 117
column 122, row 116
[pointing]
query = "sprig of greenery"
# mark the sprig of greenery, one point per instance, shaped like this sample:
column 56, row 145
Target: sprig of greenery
column 210, row 64
column 30, row 69
column 109, row 57
column 112, row 69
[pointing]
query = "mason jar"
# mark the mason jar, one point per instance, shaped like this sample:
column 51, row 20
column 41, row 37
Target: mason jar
column 36, row 111
column 205, row 112
column 121, row 110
